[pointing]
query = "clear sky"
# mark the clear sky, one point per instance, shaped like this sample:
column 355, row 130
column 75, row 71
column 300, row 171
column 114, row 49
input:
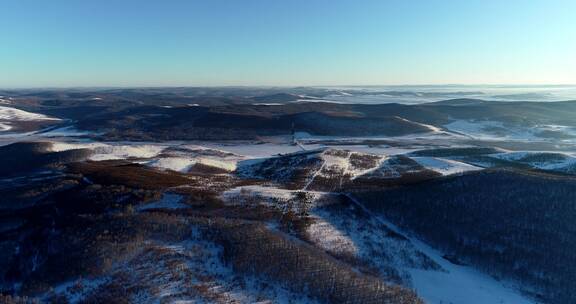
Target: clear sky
column 288, row 42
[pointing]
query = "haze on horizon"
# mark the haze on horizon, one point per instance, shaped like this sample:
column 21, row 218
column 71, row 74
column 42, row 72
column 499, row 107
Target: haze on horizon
column 66, row 43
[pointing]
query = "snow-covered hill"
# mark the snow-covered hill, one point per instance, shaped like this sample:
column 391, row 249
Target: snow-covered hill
column 331, row 169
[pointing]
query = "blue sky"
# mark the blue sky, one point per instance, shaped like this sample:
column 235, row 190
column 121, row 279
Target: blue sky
column 289, row 42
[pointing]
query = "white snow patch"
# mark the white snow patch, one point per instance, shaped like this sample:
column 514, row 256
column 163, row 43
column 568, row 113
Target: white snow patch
column 179, row 164
column 184, row 164
column 445, row 166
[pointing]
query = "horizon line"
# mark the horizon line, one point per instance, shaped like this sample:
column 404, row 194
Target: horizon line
column 56, row 87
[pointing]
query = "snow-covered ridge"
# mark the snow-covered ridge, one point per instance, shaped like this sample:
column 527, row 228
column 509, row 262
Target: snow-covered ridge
column 555, row 161
column 160, row 156
column 9, row 115
column 102, row 151
column 13, row 114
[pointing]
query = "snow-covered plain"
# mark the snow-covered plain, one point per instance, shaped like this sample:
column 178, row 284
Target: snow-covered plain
column 499, row 131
